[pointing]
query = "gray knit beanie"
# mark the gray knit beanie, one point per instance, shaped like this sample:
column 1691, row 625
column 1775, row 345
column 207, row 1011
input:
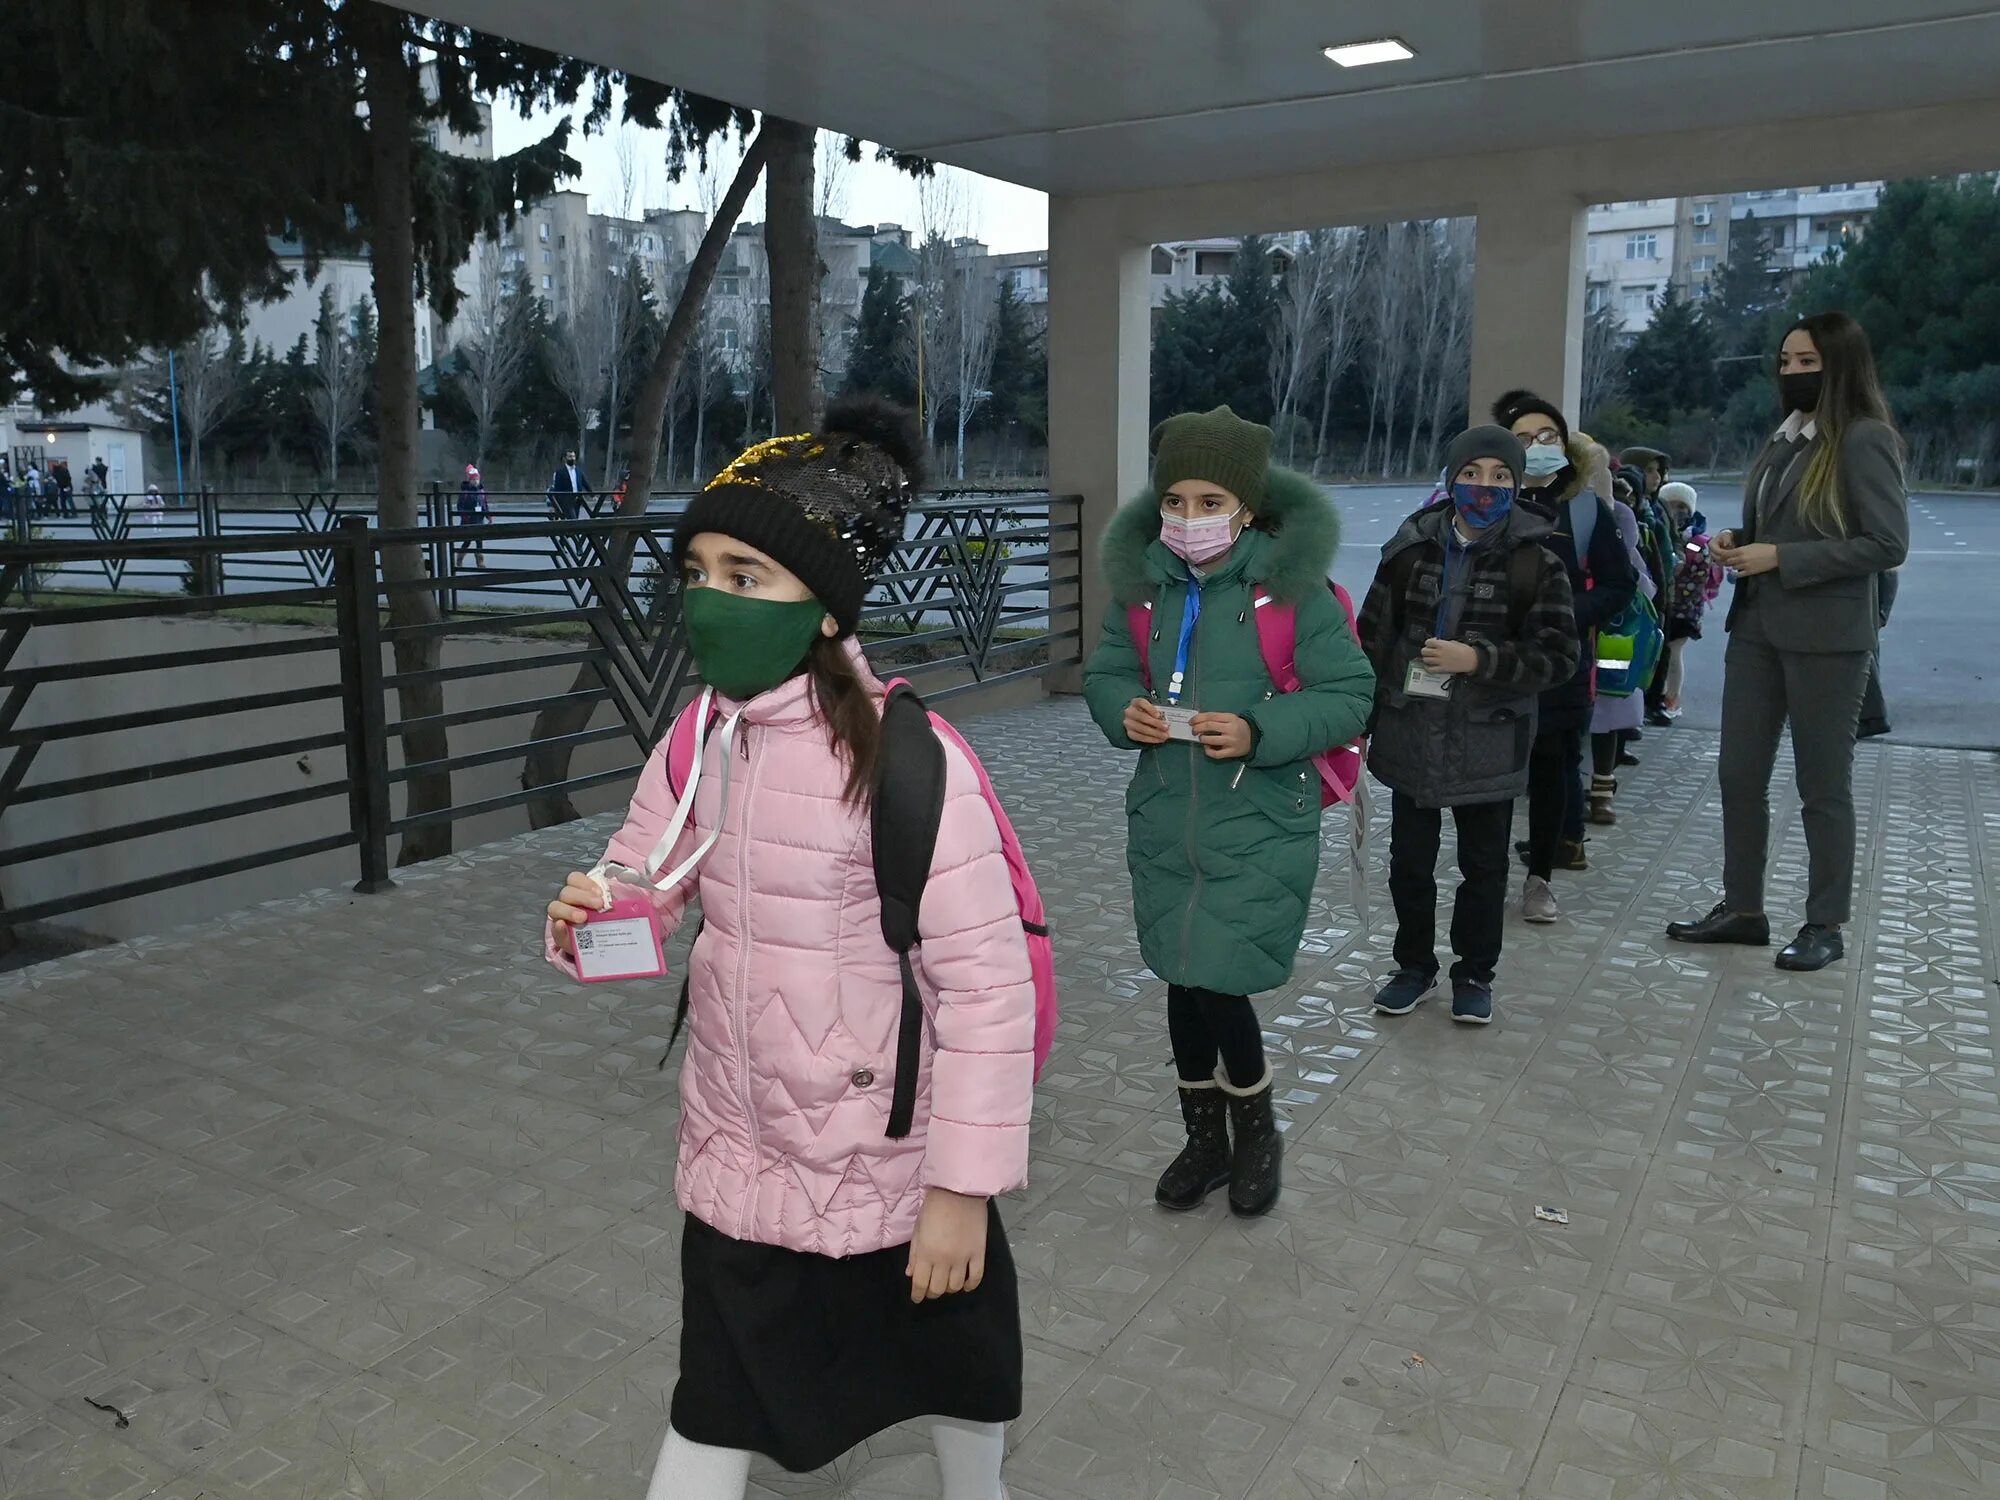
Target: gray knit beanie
column 1485, row 442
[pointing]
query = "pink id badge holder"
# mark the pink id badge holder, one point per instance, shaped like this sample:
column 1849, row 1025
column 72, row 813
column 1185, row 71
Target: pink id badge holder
column 623, row 941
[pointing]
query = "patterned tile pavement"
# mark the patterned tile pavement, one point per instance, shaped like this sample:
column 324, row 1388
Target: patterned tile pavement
column 349, row 1197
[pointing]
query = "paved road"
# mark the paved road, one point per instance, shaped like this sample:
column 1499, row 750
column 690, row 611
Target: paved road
column 1942, row 684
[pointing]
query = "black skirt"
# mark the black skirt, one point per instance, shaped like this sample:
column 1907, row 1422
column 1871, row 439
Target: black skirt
column 800, row 1357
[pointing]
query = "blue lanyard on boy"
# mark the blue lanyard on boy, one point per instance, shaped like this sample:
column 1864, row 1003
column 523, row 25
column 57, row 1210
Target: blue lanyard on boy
column 1451, row 544
column 1190, row 614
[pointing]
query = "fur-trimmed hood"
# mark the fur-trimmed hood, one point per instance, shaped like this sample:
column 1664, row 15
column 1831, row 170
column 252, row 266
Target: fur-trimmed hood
column 1589, row 464
column 1290, row 549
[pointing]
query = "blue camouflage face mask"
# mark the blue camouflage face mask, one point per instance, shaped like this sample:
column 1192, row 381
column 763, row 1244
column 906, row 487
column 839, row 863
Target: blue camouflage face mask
column 1481, row 505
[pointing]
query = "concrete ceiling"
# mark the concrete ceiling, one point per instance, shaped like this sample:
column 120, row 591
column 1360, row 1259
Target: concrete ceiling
column 1092, row 96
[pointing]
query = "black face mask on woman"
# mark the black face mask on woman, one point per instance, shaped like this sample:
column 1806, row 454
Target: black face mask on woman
column 1800, row 390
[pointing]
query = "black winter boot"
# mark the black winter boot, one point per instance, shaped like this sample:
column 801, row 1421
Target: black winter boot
column 1203, row 1165
column 1253, row 1167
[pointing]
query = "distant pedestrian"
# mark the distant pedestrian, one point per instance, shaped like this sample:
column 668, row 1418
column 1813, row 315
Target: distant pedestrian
column 568, row 487
column 476, row 511
column 154, row 504
column 65, row 487
column 1697, row 580
column 1613, row 718
column 1655, row 468
column 1825, row 513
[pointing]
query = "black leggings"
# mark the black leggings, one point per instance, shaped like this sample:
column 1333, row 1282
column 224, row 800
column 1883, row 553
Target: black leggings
column 1204, row 1026
column 1604, row 748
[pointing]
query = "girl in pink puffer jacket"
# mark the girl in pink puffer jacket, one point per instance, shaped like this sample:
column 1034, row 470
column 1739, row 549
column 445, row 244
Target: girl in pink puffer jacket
column 836, row 1281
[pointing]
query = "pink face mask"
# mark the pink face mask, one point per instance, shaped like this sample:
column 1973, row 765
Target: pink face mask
column 1199, row 540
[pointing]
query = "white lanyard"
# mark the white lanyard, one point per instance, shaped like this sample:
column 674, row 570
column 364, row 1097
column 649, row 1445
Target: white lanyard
column 684, row 809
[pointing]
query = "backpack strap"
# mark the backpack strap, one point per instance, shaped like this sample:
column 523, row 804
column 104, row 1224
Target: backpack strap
column 1583, row 524
column 1278, row 640
column 909, row 805
column 1524, row 581
column 1139, row 621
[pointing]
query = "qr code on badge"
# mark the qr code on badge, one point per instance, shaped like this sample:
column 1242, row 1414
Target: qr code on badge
column 586, row 940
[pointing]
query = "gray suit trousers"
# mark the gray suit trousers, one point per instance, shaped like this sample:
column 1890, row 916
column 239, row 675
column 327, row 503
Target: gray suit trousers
column 1820, row 694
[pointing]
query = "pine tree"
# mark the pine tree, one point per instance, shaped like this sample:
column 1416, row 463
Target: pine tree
column 1670, row 365
column 1020, row 377
column 1245, row 376
column 876, row 364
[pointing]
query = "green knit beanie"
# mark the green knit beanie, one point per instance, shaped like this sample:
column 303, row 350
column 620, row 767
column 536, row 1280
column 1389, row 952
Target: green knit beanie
column 1217, row 446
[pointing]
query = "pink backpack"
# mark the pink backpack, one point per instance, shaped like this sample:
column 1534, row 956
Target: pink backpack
column 909, row 802
column 1277, row 641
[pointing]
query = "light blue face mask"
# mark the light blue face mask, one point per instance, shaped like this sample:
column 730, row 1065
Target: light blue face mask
column 1545, row 459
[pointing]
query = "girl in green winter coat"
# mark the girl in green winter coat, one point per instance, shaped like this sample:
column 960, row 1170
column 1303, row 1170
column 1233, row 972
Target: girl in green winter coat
column 1224, row 809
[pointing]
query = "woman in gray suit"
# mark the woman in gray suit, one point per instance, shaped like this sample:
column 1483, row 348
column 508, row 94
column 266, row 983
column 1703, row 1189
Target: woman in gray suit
column 1824, row 514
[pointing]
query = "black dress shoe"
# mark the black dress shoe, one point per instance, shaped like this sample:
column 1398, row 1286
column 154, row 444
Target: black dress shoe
column 1627, row 758
column 1725, row 926
column 1869, row 728
column 1658, row 719
column 1814, row 948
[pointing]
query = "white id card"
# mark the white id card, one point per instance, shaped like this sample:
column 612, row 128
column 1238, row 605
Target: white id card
column 1180, row 724
column 614, row 946
column 1424, row 683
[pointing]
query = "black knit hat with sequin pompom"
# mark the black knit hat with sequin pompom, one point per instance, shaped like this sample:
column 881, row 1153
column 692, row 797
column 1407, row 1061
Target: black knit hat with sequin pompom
column 828, row 505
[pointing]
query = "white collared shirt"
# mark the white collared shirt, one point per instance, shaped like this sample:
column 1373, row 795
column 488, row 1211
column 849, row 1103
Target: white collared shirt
column 1798, row 426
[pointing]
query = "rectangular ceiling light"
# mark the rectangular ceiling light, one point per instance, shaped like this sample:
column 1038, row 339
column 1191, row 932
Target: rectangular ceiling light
column 1363, row 54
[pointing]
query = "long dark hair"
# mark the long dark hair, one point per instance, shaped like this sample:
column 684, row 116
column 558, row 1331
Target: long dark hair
column 853, row 717
column 1850, row 392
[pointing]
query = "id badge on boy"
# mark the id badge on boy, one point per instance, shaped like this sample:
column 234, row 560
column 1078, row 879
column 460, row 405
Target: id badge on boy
column 1421, row 682
column 623, row 940
column 1180, row 724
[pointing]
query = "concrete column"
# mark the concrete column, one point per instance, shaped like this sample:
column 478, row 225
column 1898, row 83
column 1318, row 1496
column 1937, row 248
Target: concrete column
column 1527, row 301
column 1100, row 372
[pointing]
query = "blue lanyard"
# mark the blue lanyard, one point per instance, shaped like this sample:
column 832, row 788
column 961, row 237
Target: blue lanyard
column 1444, row 580
column 1190, row 614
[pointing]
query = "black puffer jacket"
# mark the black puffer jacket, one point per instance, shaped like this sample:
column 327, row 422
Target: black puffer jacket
column 1473, row 745
column 1600, row 593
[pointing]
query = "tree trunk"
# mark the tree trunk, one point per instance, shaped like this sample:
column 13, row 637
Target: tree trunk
column 548, row 764
column 791, row 245
column 391, row 236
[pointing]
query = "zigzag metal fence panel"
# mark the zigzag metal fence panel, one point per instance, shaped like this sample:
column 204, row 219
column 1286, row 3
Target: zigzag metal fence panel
column 207, row 693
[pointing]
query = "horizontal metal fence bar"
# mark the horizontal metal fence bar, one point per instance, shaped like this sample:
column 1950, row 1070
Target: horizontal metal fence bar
column 146, row 718
column 125, row 833
column 399, row 727
column 140, row 775
column 520, row 751
column 164, row 607
column 515, row 799
column 41, row 911
column 464, row 624
column 470, row 669
column 72, row 671
column 1023, row 674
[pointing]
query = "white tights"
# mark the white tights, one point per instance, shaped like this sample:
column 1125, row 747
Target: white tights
column 969, row 1455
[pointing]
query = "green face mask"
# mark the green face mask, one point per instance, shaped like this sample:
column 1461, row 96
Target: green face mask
column 745, row 646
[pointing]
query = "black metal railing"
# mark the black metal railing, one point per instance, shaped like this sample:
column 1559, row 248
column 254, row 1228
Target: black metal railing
column 165, row 691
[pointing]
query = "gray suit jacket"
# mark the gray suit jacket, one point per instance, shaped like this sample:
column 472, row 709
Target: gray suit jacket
column 1822, row 596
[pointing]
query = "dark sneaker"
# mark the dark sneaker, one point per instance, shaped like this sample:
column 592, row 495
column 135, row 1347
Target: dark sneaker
column 1814, row 948
column 1404, row 992
column 1471, row 1002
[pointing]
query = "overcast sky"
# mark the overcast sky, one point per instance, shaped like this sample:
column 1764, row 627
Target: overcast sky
column 1006, row 217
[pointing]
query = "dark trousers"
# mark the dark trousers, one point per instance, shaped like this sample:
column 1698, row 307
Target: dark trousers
column 1820, row 695
column 1204, row 1025
column 1478, row 910
column 1604, row 750
column 1555, row 796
